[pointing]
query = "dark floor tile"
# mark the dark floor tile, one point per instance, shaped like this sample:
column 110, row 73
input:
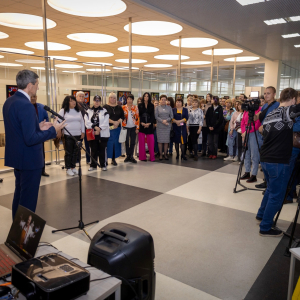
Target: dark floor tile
column 58, row 202
column 203, row 163
column 272, row 282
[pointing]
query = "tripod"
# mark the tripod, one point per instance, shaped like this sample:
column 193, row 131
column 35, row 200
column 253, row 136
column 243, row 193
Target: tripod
column 295, row 174
column 81, row 224
column 245, row 147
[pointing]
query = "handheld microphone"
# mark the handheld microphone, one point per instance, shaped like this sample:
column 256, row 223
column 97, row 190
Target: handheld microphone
column 47, row 108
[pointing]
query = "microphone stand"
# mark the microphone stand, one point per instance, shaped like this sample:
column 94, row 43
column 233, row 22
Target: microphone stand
column 81, row 224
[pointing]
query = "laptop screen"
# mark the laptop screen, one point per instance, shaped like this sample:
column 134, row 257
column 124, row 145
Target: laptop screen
column 25, row 232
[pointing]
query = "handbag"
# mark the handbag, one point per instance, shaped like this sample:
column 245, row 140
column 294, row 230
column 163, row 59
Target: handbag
column 90, row 134
column 296, row 139
column 122, row 136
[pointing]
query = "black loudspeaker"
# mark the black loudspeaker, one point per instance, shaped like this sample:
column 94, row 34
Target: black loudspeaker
column 127, row 251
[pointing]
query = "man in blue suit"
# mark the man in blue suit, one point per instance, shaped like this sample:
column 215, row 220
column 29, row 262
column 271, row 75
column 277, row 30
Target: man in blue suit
column 24, row 137
column 42, row 116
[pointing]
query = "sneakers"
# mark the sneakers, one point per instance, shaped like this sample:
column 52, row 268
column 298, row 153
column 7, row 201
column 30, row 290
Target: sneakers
column 114, row 163
column 211, row 156
column 229, row 158
column 245, row 176
column 69, row 172
column 214, row 157
column 235, row 158
column 258, row 218
column 104, row 168
column 252, row 179
column 75, row 171
column 271, row 233
column 92, row 169
column 127, row 159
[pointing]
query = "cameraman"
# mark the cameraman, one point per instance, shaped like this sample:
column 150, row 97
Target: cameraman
column 270, row 105
column 276, row 158
column 252, row 153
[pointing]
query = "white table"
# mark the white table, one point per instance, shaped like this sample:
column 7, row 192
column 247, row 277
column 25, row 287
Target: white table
column 295, row 254
column 99, row 290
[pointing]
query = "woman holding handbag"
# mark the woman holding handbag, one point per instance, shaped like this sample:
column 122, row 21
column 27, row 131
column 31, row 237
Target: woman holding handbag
column 131, row 123
column 116, row 116
column 97, row 124
column 75, row 125
column 146, row 112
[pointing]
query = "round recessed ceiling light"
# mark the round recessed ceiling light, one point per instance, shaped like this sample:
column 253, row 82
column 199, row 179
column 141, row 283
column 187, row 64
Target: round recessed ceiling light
column 68, row 66
column 10, row 65
column 195, row 42
column 98, row 70
column 154, row 28
column 242, row 58
column 3, row 35
column 93, row 38
column 89, row 8
column 158, row 66
column 171, row 57
column 95, row 54
column 30, row 61
column 63, row 57
column 196, row 63
column 51, row 46
column 224, row 51
column 125, row 68
column 139, row 49
column 24, row 21
column 134, row 61
column 97, row 64
column 20, row 51
column 38, row 68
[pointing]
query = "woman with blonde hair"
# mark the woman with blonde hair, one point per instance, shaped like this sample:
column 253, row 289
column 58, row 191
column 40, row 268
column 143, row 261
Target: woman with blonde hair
column 116, row 116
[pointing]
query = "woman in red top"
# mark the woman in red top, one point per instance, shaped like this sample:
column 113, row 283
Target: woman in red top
column 131, row 123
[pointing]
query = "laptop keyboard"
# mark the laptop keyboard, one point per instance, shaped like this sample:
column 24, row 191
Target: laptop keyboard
column 6, row 263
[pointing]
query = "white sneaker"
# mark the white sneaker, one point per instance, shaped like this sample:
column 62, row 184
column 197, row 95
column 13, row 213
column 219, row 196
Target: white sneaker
column 228, row 158
column 92, row 169
column 235, row 158
column 69, row 172
column 75, row 171
column 104, row 169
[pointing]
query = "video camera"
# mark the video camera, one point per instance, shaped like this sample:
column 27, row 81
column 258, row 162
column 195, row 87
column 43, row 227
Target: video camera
column 253, row 104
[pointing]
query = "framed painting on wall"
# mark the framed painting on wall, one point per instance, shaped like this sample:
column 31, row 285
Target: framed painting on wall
column 122, row 97
column 10, row 90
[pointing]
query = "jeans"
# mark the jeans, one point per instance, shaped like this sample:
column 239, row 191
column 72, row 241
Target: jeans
column 232, row 141
column 213, row 139
column 252, row 154
column 71, row 151
column 277, row 177
column 98, row 151
column 130, row 141
column 293, row 159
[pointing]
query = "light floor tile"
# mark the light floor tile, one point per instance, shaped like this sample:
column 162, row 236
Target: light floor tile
column 154, row 176
column 211, row 248
column 168, row 288
column 217, row 188
column 73, row 247
column 233, row 169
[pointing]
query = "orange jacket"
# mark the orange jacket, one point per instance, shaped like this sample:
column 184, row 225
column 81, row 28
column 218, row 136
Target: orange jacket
column 135, row 116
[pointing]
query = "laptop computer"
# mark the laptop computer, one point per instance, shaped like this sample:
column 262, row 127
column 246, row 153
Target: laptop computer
column 22, row 241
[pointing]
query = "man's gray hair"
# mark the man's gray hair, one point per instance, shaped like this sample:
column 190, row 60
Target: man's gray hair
column 25, row 77
column 80, row 93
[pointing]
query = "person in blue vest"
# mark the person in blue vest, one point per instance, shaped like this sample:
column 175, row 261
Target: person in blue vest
column 24, row 137
column 42, row 116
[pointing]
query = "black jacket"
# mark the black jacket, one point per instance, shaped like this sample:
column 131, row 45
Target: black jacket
column 214, row 118
column 146, row 116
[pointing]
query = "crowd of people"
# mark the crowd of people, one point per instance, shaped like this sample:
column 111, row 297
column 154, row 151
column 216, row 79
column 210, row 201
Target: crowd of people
column 201, row 127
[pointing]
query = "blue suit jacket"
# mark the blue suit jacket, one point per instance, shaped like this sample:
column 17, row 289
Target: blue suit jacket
column 43, row 115
column 23, row 137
